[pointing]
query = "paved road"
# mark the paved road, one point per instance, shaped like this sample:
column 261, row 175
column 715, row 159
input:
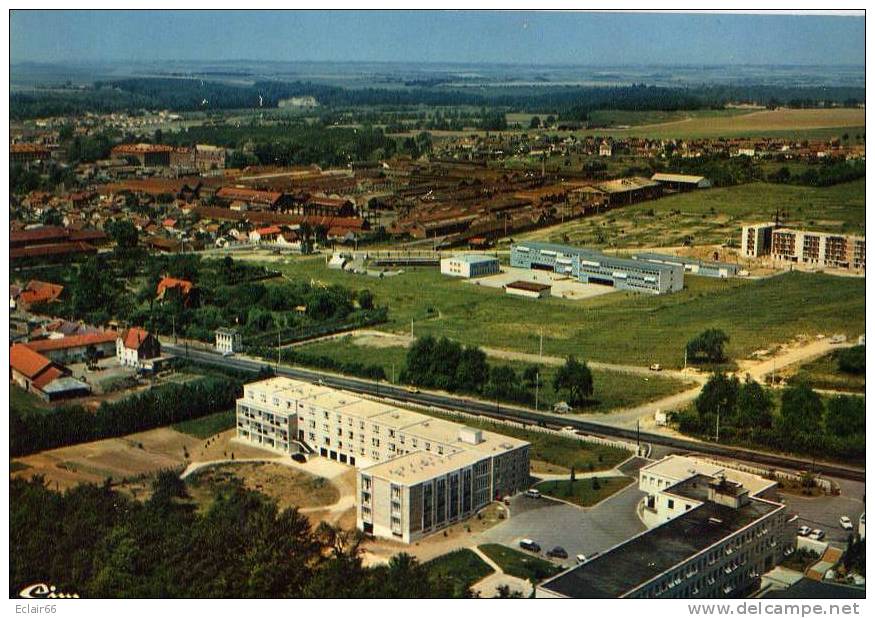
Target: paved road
column 446, row 401
column 824, row 512
column 579, row 531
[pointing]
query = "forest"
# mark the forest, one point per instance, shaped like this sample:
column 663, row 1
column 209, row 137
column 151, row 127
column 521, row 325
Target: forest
column 98, row 543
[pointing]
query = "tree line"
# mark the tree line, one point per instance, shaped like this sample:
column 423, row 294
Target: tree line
column 802, row 421
column 155, row 407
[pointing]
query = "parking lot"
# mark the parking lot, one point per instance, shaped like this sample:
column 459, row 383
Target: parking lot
column 579, row 531
column 824, row 512
column 563, row 286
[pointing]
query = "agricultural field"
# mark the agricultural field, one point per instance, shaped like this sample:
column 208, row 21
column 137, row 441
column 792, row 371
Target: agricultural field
column 792, row 123
column 715, row 216
column 654, row 328
column 632, row 118
column 586, row 491
column 613, row 389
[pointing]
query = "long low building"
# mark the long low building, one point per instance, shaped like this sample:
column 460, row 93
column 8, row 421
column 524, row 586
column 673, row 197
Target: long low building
column 416, row 474
column 717, row 542
column 469, row 265
column 694, row 266
column 589, row 266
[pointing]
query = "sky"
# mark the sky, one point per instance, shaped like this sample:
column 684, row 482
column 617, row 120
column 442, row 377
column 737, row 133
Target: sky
column 437, row 36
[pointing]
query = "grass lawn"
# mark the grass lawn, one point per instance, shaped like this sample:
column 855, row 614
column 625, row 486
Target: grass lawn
column 28, row 403
column 621, row 327
column 582, row 491
column 550, row 448
column 519, row 564
column 613, row 389
column 825, row 373
column 206, row 426
column 714, row 216
column 462, row 567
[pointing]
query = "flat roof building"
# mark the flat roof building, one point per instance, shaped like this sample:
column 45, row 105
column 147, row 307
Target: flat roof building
column 469, row 266
column 588, row 266
column 694, row 266
column 718, row 545
column 416, row 474
column 794, row 246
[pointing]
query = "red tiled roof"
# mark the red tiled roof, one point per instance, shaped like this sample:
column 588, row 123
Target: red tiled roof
column 27, row 362
column 248, row 195
column 47, row 376
column 168, row 283
column 134, row 338
column 15, row 148
column 267, row 231
column 40, row 292
column 54, row 249
column 74, row 341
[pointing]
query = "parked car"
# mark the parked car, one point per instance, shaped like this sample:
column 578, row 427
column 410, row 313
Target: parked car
column 533, row 493
column 804, row 531
column 845, row 521
column 561, row 407
column 655, row 367
column 817, row 534
column 557, row 552
column 530, row 545
column 581, row 558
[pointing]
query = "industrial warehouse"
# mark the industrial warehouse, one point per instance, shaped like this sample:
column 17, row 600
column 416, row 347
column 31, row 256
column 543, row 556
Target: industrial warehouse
column 416, row 474
column 589, row 266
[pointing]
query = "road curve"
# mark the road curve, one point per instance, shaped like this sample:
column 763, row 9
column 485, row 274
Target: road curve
column 525, row 415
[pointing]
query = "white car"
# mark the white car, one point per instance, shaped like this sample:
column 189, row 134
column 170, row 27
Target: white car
column 580, row 558
column 804, row 531
column 533, row 493
column 845, row 521
column 817, row 534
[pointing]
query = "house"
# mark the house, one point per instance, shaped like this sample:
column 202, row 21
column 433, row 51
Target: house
column 605, row 149
column 37, row 374
column 36, row 293
column 170, row 286
column 268, row 234
column 135, row 346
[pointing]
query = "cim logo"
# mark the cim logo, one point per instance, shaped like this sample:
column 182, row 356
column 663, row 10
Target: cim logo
column 44, row 591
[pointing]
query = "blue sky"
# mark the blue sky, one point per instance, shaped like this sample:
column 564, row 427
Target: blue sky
column 429, row 36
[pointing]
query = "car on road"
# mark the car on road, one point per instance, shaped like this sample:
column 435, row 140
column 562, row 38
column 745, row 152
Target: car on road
column 655, row 367
column 412, row 389
column 569, row 429
column 557, row 552
column 530, row 545
column 845, row 521
column 817, row 534
column 804, row 531
column 581, row 558
column 533, row 493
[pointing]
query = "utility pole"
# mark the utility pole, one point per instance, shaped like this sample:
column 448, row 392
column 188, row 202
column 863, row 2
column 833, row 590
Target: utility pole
column 393, row 373
column 411, row 328
column 718, row 423
column 537, row 384
column 541, row 347
column 279, row 350
column 173, row 322
column 638, row 435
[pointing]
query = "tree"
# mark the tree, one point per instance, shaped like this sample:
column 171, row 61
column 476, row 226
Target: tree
column 707, row 347
column 365, row 299
column 472, row 372
column 91, row 356
column 754, row 407
column 718, row 396
column 801, row 409
column 51, row 216
column 530, row 375
column 123, row 233
column 535, row 123
column 845, row 416
column 852, row 360
column 575, row 378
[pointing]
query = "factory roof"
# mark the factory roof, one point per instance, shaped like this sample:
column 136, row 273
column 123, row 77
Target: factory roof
column 661, row 177
column 472, row 258
column 678, row 259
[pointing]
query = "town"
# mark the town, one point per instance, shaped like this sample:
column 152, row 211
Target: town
column 422, row 341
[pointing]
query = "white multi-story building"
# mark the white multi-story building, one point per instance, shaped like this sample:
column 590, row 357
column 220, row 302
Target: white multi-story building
column 417, row 473
column 804, row 247
column 711, row 538
column 228, row 340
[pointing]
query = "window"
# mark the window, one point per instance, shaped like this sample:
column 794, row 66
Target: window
column 670, row 503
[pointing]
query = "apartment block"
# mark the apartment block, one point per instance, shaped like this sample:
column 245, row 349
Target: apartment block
column 417, row 474
column 804, row 247
column 715, row 539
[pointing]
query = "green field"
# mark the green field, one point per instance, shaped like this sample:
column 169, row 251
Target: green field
column 582, row 492
column 207, row 426
column 715, row 216
column 613, row 389
column 551, row 448
column 824, row 373
column 614, row 117
column 621, row 327
column 519, row 564
column 462, row 567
